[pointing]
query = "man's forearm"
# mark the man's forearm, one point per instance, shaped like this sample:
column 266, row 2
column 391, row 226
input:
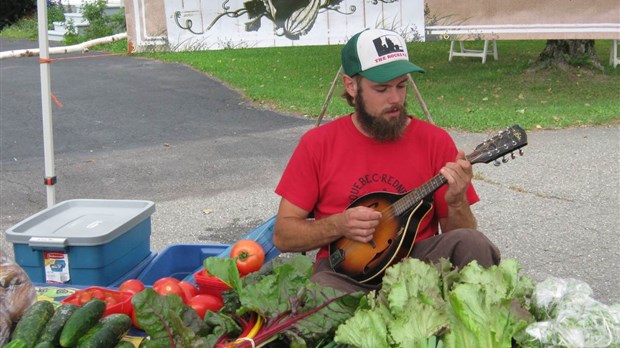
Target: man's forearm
column 459, row 216
column 292, row 234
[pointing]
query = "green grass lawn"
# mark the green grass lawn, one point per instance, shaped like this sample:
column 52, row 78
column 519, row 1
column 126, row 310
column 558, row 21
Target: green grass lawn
column 462, row 94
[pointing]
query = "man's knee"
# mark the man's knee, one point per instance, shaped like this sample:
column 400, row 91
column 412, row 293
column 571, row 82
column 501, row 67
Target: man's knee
column 472, row 245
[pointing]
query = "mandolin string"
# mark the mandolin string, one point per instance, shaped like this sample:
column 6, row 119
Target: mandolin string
column 390, row 211
column 413, row 196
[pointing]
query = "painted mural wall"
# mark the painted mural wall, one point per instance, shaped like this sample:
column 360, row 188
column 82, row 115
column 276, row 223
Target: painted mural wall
column 219, row 24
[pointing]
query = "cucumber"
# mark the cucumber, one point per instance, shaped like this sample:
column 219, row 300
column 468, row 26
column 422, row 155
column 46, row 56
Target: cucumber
column 45, row 344
column 54, row 326
column 124, row 344
column 81, row 321
column 15, row 343
column 31, row 325
column 107, row 333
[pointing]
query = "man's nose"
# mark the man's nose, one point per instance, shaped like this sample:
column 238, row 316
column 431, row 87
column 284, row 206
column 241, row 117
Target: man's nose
column 394, row 96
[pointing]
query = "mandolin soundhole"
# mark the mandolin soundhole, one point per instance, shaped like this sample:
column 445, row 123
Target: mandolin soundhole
column 372, row 264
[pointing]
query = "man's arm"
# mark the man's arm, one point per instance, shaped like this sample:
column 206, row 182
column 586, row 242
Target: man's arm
column 293, row 232
column 459, row 175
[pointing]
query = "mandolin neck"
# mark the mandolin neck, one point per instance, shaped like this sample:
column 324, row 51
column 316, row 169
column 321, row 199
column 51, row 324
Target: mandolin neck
column 413, row 197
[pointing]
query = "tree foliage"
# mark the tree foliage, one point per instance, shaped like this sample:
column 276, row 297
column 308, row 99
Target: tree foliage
column 12, row 10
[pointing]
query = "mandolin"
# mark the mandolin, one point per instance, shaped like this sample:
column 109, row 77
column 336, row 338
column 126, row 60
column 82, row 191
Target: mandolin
column 402, row 213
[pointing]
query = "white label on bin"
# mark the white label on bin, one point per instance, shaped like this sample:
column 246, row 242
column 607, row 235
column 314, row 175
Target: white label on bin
column 56, row 267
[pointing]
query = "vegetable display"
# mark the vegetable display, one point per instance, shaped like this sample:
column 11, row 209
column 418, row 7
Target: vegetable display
column 277, row 304
column 471, row 308
column 420, row 305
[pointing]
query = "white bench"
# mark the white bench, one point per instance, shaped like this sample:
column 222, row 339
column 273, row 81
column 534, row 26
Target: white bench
column 464, row 52
column 516, row 31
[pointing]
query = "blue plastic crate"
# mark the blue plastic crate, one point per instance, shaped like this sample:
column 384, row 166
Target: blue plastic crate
column 179, row 261
column 135, row 272
column 263, row 234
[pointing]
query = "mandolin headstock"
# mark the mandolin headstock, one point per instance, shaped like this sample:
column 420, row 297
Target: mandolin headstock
column 505, row 142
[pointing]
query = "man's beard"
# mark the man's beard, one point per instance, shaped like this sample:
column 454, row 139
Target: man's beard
column 378, row 127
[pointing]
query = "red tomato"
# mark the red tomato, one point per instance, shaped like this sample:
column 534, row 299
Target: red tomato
column 202, row 303
column 167, row 288
column 83, row 297
column 110, row 301
column 134, row 321
column 189, row 290
column 133, row 286
column 165, row 280
column 98, row 294
column 250, row 256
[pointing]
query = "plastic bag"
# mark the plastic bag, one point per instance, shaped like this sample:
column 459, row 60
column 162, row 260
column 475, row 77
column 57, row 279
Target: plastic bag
column 569, row 317
column 16, row 294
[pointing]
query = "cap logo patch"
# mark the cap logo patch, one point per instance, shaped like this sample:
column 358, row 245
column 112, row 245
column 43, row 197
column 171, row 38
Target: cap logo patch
column 387, row 49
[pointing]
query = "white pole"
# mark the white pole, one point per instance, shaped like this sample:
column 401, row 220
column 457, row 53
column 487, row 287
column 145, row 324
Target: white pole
column 46, row 103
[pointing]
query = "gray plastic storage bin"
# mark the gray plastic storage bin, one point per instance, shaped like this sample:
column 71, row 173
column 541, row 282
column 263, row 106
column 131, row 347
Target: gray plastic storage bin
column 83, row 241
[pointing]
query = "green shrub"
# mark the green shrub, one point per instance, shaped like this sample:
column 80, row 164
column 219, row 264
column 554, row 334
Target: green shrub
column 55, row 13
column 101, row 24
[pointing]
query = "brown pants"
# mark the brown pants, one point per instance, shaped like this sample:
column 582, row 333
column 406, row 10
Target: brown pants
column 459, row 246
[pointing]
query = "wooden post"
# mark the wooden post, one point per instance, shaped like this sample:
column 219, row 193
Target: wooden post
column 329, row 97
column 420, row 100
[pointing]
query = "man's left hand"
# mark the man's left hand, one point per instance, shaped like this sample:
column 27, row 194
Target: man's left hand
column 459, row 175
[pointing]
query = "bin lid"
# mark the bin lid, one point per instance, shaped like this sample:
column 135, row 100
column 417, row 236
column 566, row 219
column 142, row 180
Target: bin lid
column 80, row 222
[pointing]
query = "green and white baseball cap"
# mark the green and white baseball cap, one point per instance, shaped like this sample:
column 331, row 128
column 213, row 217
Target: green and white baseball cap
column 377, row 54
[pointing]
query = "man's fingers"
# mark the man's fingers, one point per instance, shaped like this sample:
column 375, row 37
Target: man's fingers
column 364, row 214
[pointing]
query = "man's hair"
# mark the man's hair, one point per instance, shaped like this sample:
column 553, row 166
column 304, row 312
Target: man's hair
column 349, row 98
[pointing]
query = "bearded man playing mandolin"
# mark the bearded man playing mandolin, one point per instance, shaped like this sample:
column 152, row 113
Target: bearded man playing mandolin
column 380, row 184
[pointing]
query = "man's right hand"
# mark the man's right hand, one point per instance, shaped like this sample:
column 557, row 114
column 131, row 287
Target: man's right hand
column 293, row 232
column 359, row 223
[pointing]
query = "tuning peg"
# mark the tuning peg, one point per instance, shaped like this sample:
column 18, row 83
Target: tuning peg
column 496, row 163
column 520, row 152
column 505, row 160
column 512, row 155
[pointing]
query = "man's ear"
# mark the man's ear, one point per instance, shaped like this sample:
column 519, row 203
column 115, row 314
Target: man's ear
column 350, row 85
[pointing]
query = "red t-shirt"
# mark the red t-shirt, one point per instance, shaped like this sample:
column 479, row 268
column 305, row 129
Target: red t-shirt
column 335, row 164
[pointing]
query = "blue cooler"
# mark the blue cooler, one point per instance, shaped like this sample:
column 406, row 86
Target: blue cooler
column 84, row 241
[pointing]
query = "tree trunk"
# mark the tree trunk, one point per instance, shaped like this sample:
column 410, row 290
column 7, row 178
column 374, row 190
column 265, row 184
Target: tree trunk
column 566, row 53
